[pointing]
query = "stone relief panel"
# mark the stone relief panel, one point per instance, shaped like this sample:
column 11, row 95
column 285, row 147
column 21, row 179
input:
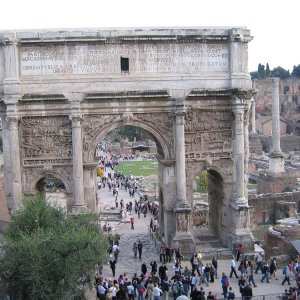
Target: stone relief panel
column 46, row 141
column 182, row 222
column 208, row 134
column 91, row 126
column 162, row 123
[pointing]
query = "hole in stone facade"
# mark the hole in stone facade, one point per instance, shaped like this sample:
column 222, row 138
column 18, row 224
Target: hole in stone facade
column 124, row 64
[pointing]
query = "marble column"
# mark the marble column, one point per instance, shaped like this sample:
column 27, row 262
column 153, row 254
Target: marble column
column 183, row 237
column 253, row 130
column 181, row 200
column 16, row 188
column 276, row 161
column 275, row 118
column 239, row 156
column 79, row 203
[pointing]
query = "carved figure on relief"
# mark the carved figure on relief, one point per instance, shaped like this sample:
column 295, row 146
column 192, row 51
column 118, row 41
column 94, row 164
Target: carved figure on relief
column 182, row 222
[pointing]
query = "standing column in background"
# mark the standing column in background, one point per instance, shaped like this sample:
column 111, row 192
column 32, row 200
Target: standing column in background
column 276, row 160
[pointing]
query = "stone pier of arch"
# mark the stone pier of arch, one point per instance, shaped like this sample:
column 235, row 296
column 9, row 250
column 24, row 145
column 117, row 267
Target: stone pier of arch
column 189, row 88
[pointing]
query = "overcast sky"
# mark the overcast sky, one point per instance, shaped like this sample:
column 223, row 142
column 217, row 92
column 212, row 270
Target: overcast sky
column 274, row 24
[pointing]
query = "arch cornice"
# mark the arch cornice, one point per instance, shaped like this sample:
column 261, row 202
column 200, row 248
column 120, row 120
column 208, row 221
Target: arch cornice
column 159, row 125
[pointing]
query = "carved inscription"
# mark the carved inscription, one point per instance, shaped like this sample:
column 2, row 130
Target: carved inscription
column 208, row 134
column 46, row 140
column 105, row 59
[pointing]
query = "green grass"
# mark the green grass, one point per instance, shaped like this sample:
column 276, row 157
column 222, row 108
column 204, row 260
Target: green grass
column 138, row 167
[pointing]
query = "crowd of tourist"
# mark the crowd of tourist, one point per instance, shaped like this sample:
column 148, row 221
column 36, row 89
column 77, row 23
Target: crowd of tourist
column 167, row 277
column 156, row 279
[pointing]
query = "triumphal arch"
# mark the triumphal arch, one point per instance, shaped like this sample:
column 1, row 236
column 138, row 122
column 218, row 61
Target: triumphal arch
column 62, row 90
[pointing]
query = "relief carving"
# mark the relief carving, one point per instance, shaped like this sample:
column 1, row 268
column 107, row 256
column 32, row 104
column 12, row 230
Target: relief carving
column 208, row 134
column 46, row 140
column 162, row 122
column 182, row 222
column 91, row 126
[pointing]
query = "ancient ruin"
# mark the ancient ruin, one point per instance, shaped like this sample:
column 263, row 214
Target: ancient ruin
column 61, row 91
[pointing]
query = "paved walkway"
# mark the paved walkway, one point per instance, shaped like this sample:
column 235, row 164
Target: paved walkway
column 127, row 263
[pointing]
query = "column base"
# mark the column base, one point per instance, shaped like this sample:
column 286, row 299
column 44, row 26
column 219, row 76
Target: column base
column 241, row 236
column 239, row 202
column 79, row 208
column 276, row 164
column 185, row 241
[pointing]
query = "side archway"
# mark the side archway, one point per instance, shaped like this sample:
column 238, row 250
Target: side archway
column 34, row 182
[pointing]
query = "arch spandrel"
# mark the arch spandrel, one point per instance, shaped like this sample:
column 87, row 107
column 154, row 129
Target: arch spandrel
column 159, row 125
column 34, row 176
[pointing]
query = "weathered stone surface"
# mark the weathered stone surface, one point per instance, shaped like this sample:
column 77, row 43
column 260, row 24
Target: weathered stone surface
column 64, row 90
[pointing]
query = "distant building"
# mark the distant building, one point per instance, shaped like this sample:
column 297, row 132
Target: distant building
column 264, row 125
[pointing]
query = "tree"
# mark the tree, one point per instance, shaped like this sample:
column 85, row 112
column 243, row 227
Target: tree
column 296, row 71
column 202, row 182
column 261, row 71
column 268, row 71
column 45, row 252
column 281, row 73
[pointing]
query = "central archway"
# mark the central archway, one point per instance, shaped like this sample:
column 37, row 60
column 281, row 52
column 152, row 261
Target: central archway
column 164, row 148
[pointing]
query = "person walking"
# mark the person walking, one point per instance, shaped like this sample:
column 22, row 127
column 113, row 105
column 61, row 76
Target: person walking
column 259, row 265
column 112, row 264
column 273, row 268
column 135, row 249
column 225, row 285
column 287, row 273
column 250, row 271
column 233, row 266
column 132, row 223
column 215, row 264
column 266, row 274
column 140, row 249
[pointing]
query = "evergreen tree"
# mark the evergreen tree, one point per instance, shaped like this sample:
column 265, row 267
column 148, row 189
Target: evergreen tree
column 296, row 71
column 261, row 71
column 268, row 71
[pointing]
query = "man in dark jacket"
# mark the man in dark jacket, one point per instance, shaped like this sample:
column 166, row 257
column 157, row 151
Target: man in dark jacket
column 144, row 268
column 247, row 292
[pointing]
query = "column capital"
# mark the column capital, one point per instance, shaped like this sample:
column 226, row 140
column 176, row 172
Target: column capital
column 76, row 119
column 275, row 81
column 13, row 99
column 10, row 39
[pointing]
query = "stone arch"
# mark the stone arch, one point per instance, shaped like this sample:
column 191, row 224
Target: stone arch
column 44, row 173
column 163, row 146
column 216, row 196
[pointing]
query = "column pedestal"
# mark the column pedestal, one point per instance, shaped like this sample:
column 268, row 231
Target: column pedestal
column 183, row 238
